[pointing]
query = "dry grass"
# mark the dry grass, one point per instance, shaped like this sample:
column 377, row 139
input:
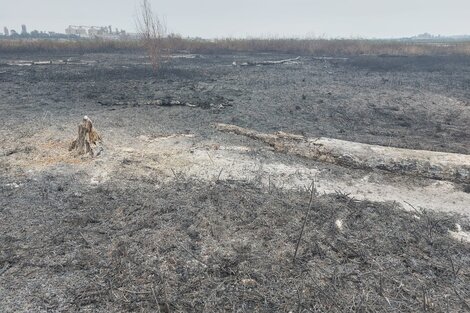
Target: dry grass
column 223, row 247
column 68, row 46
column 333, row 47
column 340, row 47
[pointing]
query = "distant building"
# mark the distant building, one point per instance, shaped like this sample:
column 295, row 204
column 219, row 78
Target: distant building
column 80, row 31
column 24, row 31
column 95, row 31
column 6, row 32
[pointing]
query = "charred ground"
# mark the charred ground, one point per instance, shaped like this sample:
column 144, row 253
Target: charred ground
column 412, row 102
column 223, row 246
column 142, row 243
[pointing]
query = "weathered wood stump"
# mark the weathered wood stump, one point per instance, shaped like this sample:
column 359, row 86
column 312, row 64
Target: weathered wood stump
column 88, row 140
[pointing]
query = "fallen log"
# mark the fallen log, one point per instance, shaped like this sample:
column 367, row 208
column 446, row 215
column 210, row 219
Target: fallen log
column 88, row 139
column 430, row 164
column 256, row 63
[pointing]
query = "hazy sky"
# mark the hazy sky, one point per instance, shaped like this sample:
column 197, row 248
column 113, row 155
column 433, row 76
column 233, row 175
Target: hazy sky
column 241, row 18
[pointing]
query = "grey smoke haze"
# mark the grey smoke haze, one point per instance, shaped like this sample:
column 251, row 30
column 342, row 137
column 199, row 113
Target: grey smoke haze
column 218, row 18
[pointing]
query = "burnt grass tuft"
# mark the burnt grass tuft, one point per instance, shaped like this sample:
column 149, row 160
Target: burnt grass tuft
column 190, row 246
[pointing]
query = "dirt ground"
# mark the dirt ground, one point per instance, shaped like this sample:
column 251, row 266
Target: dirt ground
column 175, row 216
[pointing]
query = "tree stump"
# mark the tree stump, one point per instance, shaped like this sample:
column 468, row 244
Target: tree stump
column 88, row 140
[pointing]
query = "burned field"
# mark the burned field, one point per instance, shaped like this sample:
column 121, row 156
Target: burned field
column 176, row 216
column 225, row 246
column 410, row 102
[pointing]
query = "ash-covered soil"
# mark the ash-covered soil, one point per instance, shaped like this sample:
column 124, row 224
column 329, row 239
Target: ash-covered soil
column 176, row 217
column 189, row 246
column 410, row 102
